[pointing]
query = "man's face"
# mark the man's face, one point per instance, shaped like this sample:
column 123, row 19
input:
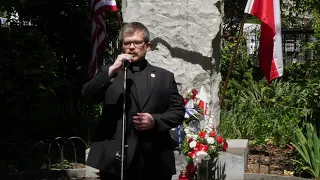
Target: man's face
column 134, row 45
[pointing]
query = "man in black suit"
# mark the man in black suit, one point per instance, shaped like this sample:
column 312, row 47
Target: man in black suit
column 153, row 107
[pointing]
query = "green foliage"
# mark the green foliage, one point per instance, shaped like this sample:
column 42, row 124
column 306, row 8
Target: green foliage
column 28, row 72
column 308, row 147
column 264, row 113
column 66, row 165
column 185, row 148
column 252, row 19
column 293, row 14
column 233, row 14
column 3, row 13
column 307, row 74
column 244, row 73
column 91, row 113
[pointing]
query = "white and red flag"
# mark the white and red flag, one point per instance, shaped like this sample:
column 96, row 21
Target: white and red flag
column 98, row 30
column 204, row 103
column 270, row 48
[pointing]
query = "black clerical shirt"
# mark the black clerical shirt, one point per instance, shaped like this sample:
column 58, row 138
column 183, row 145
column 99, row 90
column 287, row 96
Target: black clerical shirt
column 138, row 73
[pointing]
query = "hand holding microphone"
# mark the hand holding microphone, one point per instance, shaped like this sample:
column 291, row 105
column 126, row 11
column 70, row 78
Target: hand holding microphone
column 122, row 59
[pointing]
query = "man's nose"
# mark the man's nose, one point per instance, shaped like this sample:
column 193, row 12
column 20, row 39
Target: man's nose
column 132, row 46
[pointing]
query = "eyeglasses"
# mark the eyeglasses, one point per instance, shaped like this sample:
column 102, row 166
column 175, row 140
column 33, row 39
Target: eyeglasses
column 136, row 44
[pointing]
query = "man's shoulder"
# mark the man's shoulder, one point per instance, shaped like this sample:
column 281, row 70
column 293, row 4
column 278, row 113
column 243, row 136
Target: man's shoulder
column 161, row 70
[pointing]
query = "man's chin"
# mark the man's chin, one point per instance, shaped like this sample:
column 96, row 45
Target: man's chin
column 136, row 60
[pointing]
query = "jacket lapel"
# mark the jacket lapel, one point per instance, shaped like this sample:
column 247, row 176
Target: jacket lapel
column 151, row 79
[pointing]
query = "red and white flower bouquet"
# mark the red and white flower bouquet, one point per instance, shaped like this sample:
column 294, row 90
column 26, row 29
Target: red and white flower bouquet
column 201, row 140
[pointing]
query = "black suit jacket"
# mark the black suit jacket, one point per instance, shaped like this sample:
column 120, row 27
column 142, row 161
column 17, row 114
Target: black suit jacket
column 161, row 99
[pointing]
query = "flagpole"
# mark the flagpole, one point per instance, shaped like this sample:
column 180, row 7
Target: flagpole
column 120, row 23
column 232, row 62
column 119, row 18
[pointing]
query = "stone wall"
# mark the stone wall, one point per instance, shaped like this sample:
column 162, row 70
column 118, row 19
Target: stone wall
column 185, row 38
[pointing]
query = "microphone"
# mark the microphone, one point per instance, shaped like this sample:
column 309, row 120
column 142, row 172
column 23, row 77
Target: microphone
column 125, row 63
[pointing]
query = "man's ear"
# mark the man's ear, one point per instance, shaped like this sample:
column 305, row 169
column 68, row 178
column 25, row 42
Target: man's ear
column 148, row 46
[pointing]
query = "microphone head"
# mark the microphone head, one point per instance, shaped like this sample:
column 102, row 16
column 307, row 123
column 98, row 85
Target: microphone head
column 126, row 63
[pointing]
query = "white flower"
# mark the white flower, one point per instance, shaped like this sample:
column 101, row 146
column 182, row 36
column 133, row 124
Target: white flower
column 189, row 135
column 210, row 140
column 189, row 91
column 186, row 130
column 194, row 136
column 192, row 144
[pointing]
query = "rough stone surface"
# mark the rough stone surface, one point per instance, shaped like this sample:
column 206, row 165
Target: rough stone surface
column 239, row 147
column 185, row 36
column 181, row 164
column 75, row 173
column 90, row 171
column 234, row 168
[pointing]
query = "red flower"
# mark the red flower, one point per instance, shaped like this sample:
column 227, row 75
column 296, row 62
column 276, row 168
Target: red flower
column 224, row 146
column 197, row 145
column 201, row 147
column 212, row 134
column 194, row 92
column 201, row 105
column 190, row 140
column 192, row 154
column 185, row 102
column 202, row 134
column 220, row 139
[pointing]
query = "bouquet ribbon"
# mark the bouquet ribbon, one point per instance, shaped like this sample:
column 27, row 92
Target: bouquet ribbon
column 191, row 112
column 199, row 147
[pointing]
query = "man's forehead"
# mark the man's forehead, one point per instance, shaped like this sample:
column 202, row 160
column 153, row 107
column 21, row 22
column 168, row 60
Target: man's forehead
column 135, row 33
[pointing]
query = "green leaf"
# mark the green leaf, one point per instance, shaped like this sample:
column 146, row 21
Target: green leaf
column 308, row 147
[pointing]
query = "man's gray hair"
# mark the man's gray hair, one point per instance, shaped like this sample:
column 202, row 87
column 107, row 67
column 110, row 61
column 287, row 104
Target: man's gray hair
column 131, row 28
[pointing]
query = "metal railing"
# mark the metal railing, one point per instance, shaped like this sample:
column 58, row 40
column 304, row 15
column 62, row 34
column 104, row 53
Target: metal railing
column 23, row 158
column 294, row 42
column 270, row 160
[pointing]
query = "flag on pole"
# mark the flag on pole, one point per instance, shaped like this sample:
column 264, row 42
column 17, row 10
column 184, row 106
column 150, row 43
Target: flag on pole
column 98, row 30
column 270, row 48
